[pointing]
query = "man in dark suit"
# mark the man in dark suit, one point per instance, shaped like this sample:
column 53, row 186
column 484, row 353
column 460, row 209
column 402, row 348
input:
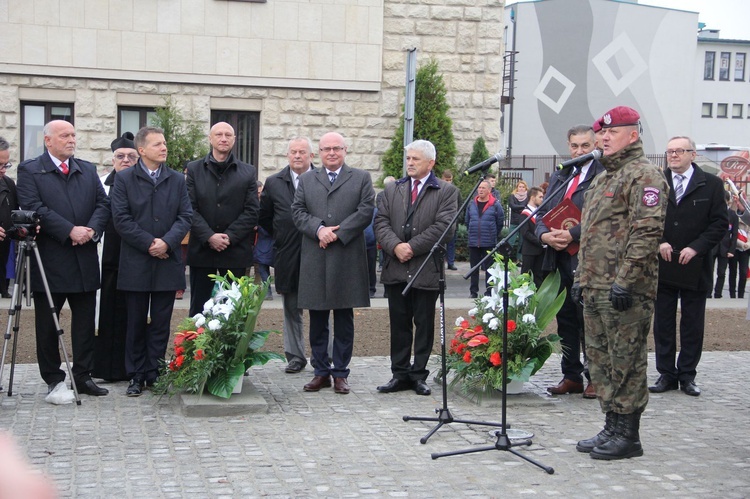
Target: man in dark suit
column 276, row 218
column 332, row 207
column 152, row 213
column 224, row 196
column 68, row 196
column 8, row 203
column 696, row 221
column 560, row 244
column 412, row 215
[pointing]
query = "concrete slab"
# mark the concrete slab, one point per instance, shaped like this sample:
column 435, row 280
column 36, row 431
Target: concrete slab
column 249, row 401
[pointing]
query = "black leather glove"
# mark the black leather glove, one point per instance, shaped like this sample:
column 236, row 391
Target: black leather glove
column 575, row 293
column 621, row 298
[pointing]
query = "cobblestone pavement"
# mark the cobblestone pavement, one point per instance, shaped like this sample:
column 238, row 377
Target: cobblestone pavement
column 328, row 445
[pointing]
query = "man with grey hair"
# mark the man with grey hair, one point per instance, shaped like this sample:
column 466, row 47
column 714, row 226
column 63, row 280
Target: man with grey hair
column 696, row 222
column 276, row 218
column 8, row 203
column 69, row 233
column 412, row 215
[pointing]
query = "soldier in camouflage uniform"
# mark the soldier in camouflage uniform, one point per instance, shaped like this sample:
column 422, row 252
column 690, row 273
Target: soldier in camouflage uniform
column 622, row 223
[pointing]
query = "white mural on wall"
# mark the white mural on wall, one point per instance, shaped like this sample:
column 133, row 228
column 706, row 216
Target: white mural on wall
column 568, row 87
column 620, row 47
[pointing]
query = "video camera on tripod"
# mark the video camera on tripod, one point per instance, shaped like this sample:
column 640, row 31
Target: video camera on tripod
column 25, row 222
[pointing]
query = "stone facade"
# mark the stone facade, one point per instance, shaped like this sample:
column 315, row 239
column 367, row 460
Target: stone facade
column 464, row 36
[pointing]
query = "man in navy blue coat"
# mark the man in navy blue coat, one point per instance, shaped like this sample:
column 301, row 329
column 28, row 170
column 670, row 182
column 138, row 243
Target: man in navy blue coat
column 68, row 196
column 152, row 214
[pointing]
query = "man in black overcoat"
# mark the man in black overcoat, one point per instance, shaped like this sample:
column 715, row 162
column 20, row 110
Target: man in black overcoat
column 276, row 218
column 68, row 196
column 152, row 214
column 224, row 196
column 8, row 203
column 562, row 255
column 695, row 223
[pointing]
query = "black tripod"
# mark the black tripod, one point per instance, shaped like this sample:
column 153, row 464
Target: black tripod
column 504, row 442
column 23, row 260
column 438, row 253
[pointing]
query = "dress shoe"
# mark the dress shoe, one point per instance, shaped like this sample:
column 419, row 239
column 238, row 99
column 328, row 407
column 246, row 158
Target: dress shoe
column 452, row 267
column 134, row 388
column 395, row 385
column 88, row 387
column 589, row 392
column 295, row 365
column 690, row 388
column 317, row 383
column 7, row 295
column 421, row 387
column 179, row 294
column 472, row 295
column 340, row 385
column 662, row 385
column 566, row 386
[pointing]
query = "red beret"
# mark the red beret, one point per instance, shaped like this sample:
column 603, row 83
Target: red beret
column 596, row 127
column 619, row 116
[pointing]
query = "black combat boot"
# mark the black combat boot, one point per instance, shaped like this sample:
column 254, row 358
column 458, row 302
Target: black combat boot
column 610, row 422
column 625, row 443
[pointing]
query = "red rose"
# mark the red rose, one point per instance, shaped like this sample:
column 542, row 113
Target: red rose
column 495, row 359
column 465, row 324
column 198, row 355
column 511, row 326
column 172, row 366
column 179, row 360
column 467, row 357
column 201, row 330
column 179, row 351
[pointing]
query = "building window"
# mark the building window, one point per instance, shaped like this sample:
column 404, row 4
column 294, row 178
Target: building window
column 708, row 67
column 724, row 66
column 246, row 126
column 707, row 110
column 33, row 117
column 132, row 119
column 721, row 110
column 739, row 66
column 737, row 111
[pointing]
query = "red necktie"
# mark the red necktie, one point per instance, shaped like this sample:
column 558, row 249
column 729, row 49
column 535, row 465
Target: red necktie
column 572, row 187
column 64, row 168
column 414, row 191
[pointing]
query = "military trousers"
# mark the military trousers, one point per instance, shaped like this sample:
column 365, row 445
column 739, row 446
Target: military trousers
column 617, row 351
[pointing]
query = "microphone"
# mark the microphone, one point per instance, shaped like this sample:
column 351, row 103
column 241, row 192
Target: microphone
column 595, row 154
column 484, row 164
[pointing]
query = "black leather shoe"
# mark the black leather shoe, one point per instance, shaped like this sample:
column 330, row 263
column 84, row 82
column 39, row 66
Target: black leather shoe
column 88, row 387
column 395, row 385
column 452, row 267
column 295, row 365
column 421, row 387
column 134, row 389
column 690, row 388
column 663, row 385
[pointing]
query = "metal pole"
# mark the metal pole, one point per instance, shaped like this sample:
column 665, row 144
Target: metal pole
column 409, row 98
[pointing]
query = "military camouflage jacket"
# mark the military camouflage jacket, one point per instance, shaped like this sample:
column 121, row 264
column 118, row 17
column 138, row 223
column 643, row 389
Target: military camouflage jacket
column 622, row 222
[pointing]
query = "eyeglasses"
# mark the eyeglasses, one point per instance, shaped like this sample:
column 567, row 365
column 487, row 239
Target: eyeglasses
column 131, row 157
column 678, row 152
column 6, row 166
column 336, row 149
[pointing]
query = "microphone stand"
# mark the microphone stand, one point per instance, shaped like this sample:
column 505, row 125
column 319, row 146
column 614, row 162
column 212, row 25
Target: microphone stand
column 503, row 442
column 438, row 253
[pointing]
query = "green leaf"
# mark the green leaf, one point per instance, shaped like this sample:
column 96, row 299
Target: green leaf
column 222, row 383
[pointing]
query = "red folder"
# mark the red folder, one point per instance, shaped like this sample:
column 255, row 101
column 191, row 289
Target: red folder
column 565, row 216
